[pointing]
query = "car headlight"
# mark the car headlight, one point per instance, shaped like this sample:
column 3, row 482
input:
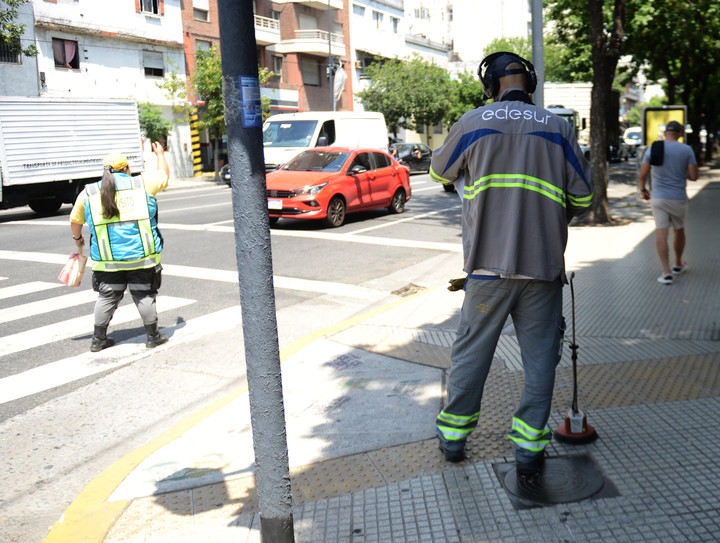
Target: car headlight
column 310, row 189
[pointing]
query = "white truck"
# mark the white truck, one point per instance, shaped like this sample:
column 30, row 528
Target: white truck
column 51, row 147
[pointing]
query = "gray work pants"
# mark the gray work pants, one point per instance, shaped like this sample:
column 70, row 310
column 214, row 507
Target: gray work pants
column 111, row 286
column 536, row 310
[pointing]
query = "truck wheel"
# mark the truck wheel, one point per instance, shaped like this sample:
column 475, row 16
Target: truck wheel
column 448, row 187
column 45, row 207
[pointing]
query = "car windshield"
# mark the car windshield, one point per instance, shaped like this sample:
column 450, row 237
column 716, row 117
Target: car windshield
column 288, row 133
column 317, row 161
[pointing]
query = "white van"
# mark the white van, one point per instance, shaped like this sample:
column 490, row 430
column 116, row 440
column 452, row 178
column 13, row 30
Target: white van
column 287, row 134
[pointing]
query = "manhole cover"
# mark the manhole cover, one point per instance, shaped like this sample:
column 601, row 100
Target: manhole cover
column 563, row 480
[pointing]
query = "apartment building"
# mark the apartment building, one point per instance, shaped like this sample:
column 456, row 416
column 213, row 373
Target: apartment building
column 19, row 73
column 118, row 49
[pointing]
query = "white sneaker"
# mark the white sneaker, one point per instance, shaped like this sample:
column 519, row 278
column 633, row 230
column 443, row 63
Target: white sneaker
column 677, row 270
column 665, row 279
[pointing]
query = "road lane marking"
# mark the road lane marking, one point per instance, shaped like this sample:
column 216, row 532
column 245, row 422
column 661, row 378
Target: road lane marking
column 79, row 326
column 404, row 219
column 71, row 369
column 225, row 276
column 40, row 307
column 288, row 283
column 27, row 288
column 350, row 237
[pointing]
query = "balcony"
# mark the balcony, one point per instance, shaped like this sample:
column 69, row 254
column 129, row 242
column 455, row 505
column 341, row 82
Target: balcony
column 315, row 4
column 312, row 42
column 267, row 31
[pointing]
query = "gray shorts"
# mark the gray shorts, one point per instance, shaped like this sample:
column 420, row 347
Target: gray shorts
column 667, row 212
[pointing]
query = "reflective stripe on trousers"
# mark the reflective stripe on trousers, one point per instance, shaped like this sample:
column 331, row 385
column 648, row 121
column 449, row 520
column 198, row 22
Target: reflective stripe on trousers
column 536, row 310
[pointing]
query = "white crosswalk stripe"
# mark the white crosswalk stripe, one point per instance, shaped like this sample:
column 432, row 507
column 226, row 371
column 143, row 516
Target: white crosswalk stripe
column 86, row 364
column 26, row 288
column 78, row 326
column 45, row 306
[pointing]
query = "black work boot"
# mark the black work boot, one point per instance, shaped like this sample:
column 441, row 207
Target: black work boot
column 100, row 340
column 154, row 337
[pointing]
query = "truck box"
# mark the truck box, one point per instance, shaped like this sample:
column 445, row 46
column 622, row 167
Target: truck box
column 51, row 147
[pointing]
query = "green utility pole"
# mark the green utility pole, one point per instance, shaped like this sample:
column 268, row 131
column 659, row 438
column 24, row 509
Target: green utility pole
column 243, row 120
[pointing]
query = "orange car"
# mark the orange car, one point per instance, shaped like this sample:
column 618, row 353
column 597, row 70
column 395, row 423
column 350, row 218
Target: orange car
column 329, row 182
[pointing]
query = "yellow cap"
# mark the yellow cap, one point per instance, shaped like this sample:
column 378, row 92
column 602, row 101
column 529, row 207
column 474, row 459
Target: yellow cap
column 117, row 161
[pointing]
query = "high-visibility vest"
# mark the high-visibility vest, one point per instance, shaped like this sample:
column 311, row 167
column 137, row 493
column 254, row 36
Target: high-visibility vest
column 129, row 241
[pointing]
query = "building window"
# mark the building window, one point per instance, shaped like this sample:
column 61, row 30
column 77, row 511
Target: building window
column 395, row 24
column 310, row 72
column 277, row 67
column 203, row 45
column 275, row 15
column 150, row 6
column 154, row 65
column 65, row 53
column 422, row 13
column 377, row 17
column 359, row 10
column 7, row 55
column 201, row 15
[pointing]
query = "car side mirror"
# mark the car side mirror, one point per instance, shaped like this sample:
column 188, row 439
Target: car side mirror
column 322, row 141
column 358, row 168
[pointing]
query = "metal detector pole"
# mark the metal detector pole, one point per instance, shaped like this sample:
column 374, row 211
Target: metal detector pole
column 243, row 120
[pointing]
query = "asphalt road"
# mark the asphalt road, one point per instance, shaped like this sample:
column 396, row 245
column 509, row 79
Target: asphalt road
column 66, row 414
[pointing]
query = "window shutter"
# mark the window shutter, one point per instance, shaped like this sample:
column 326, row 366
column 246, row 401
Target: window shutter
column 138, row 7
column 161, row 8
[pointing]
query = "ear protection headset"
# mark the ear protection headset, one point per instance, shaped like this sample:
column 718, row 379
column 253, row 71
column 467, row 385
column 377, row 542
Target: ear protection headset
column 494, row 66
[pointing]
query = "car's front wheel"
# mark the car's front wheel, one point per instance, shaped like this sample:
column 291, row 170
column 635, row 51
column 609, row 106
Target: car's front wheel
column 335, row 212
column 397, row 204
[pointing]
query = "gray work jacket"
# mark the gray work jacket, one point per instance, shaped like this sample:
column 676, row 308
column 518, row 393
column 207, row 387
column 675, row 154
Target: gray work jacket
column 524, row 177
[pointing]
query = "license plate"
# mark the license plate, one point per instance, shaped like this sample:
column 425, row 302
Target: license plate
column 275, row 204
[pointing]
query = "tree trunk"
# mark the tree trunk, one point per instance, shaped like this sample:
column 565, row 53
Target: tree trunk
column 605, row 55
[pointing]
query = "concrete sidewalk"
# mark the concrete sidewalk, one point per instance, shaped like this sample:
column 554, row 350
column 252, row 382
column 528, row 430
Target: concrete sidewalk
column 364, row 461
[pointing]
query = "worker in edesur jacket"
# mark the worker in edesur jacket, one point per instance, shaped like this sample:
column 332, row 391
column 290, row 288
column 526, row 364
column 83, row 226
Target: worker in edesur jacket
column 523, row 179
column 125, row 243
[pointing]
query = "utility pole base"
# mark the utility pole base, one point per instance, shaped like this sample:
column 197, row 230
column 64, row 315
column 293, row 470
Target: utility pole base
column 277, row 530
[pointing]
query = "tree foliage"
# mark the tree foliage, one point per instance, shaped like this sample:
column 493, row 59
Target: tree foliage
column 597, row 26
column 206, row 83
column 467, row 94
column 411, row 93
column 152, row 123
column 676, row 42
column 10, row 31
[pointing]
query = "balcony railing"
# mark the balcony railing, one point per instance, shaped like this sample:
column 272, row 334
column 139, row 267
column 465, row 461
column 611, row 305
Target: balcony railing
column 321, row 35
column 266, row 23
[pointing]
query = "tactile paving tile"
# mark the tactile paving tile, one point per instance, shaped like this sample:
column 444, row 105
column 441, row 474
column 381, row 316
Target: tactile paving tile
column 333, row 478
column 166, row 511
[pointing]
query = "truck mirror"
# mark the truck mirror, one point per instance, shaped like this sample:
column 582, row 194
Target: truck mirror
column 322, row 141
column 584, row 123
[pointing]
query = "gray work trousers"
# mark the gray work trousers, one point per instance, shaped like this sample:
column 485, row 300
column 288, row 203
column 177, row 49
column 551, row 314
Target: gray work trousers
column 536, row 310
column 111, row 286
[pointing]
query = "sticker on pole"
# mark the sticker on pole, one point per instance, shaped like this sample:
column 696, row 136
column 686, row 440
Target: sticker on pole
column 251, row 104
